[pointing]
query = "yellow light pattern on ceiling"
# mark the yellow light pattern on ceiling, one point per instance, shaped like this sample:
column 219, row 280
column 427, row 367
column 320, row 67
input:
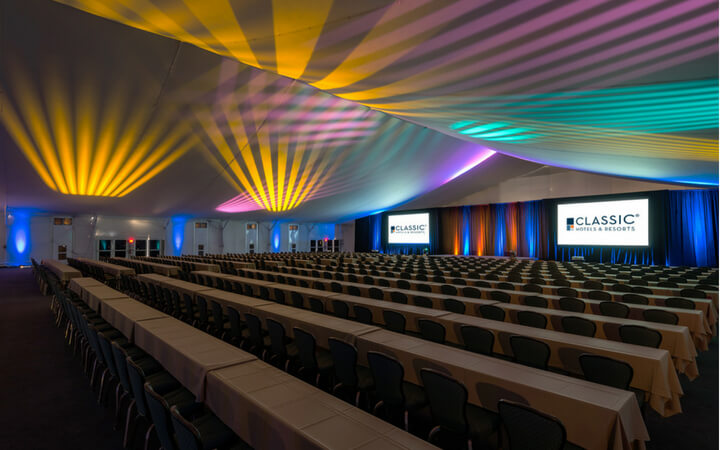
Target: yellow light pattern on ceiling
column 95, row 143
column 273, row 173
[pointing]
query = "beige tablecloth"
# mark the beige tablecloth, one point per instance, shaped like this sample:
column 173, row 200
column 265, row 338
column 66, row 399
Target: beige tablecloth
column 124, row 313
column 653, row 368
column 77, row 285
column 271, row 409
column 94, row 296
column 61, row 270
column 186, row 352
column 596, row 417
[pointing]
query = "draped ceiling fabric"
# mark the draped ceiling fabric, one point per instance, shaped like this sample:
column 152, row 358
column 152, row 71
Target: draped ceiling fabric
column 684, row 230
column 619, row 87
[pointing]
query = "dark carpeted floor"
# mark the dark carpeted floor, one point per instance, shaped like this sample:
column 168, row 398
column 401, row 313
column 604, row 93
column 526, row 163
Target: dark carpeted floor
column 46, row 401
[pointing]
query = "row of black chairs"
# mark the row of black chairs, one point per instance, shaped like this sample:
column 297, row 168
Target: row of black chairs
column 392, row 398
column 156, row 405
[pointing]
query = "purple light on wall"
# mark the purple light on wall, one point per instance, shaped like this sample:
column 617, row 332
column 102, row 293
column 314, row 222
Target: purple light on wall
column 475, row 162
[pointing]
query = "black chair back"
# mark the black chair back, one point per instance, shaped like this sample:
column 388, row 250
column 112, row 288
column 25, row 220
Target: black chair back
column 536, row 301
column 423, row 302
column 614, row 309
column 636, row 299
column 531, row 319
column 529, row 428
column 453, row 305
column 236, row 325
column 491, row 312
column 639, row 335
column 388, row 375
column 398, row 297
column 599, row 295
column 376, row 293
column 572, row 304
column 344, row 356
column 340, row 309
column 447, row 398
column 677, row 302
column 607, row 371
column 276, row 331
column 579, row 326
column 363, row 314
column 306, row 349
column 316, row 305
column 477, row 340
column 431, row 331
column 394, row 321
column 530, row 352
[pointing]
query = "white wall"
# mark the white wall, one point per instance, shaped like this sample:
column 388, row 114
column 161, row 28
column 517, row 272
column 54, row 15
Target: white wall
column 223, row 236
column 557, row 184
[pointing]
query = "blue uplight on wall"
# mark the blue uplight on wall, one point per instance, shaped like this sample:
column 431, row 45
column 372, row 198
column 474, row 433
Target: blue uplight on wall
column 19, row 239
column 276, row 238
column 466, row 229
column 177, row 227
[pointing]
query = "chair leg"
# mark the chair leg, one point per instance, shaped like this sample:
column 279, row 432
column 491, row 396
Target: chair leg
column 147, row 436
column 128, row 417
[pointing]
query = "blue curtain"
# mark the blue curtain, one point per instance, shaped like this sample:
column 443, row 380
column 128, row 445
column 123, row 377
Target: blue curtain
column 692, row 237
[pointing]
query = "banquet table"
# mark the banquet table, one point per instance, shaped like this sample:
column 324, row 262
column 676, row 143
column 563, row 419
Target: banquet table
column 96, row 296
column 77, row 284
column 186, row 352
column 162, row 269
column 112, row 269
column 610, row 418
column 124, row 313
column 676, row 339
column 653, row 368
column 183, row 287
column 64, row 272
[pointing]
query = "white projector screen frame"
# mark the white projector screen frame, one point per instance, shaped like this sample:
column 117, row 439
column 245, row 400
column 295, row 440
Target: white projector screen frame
column 408, row 228
column 614, row 223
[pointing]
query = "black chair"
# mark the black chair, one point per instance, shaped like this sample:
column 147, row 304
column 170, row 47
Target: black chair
column 528, row 428
column 579, row 326
column 531, row 319
column 336, row 287
column 198, row 429
column 394, row 321
column 448, row 289
column 635, row 299
column 506, row 286
column 477, row 340
column 500, row 296
column 431, row 331
column 403, row 284
column 376, row 293
column 316, row 305
column 297, row 299
column 354, row 290
column 596, row 285
column 238, row 330
column 456, row 306
column 536, row 301
column 660, row 316
column 258, row 342
column 394, row 395
column 530, row 352
column 423, row 302
column 220, row 327
column 340, row 309
column 471, row 292
column 398, row 297
column 642, row 290
column 491, row 312
column 282, row 351
column 693, row 293
column 348, row 375
column 314, row 362
column 639, row 335
column 677, row 302
column 620, row 287
column 530, row 287
column 363, row 314
column 572, row 304
column 599, row 295
column 610, row 372
column 160, row 398
column 453, row 416
column 614, row 309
